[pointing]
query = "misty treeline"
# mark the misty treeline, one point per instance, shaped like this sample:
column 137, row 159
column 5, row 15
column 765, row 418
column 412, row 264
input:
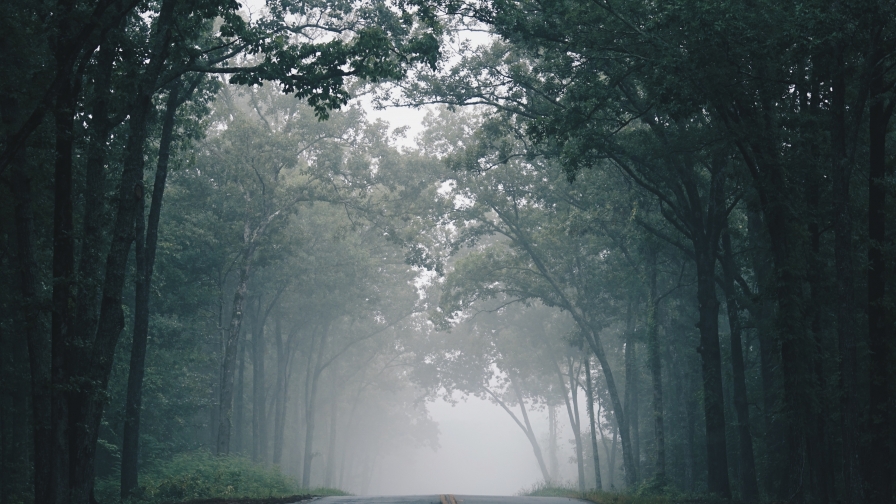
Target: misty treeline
column 675, row 212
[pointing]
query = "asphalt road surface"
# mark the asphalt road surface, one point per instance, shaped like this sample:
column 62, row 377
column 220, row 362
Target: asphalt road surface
column 445, row 499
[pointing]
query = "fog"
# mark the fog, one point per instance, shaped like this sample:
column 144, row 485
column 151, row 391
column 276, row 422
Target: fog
column 482, row 453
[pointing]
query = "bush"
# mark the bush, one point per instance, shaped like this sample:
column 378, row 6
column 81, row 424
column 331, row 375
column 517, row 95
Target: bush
column 200, row 475
column 649, row 493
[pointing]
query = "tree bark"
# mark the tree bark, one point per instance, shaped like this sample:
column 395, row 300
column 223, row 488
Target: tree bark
column 310, row 400
column 63, row 277
column 774, row 439
column 592, row 336
column 529, row 432
column 145, row 259
column 598, row 483
column 331, row 444
column 656, row 370
column 259, row 399
column 709, row 350
column 749, row 484
column 225, row 405
column 281, row 393
column 92, row 240
column 93, row 365
column 880, row 331
column 553, row 462
column 239, row 401
column 38, row 350
column 525, row 426
column 572, row 411
column 632, row 396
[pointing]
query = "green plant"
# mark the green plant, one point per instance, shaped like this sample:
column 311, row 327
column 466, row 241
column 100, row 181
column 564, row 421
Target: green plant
column 200, row 475
column 650, row 492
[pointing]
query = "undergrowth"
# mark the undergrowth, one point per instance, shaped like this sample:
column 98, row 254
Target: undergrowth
column 648, row 493
column 200, row 475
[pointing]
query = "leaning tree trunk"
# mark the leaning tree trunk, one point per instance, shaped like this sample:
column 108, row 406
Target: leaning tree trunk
column 628, row 456
column 529, row 432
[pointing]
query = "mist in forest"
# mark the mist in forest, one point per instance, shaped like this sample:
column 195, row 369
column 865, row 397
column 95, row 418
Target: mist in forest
column 428, row 247
column 481, row 452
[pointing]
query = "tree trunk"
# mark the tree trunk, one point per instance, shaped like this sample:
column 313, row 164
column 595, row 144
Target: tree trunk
column 63, row 276
column 529, row 432
column 331, row 445
column 769, row 357
column 281, row 391
column 310, row 399
column 613, row 460
column 38, row 351
column 93, row 365
column 145, row 259
column 656, row 371
column 632, row 396
column 711, row 360
column 225, row 405
column 598, row 483
column 239, row 401
column 572, row 411
column 880, row 330
column 92, row 239
column 628, row 457
column 749, row 485
column 592, row 336
column 259, row 422
column 553, row 462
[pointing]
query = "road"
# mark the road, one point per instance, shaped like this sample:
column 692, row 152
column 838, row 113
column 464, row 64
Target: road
column 445, row 499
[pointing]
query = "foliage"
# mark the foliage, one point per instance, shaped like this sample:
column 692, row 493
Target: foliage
column 200, row 475
column 570, row 490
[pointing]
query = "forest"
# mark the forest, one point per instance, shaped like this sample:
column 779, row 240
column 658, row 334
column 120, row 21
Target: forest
column 214, row 257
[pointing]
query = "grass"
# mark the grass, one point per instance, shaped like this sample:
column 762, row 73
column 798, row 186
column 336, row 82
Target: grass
column 647, row 494
column 200, row 476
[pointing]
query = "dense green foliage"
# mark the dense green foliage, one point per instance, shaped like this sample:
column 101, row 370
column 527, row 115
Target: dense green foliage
column 599, row 497
column 679, row 211
column 200, row 475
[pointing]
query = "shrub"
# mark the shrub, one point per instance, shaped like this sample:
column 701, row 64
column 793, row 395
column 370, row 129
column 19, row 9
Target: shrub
column 200, row 475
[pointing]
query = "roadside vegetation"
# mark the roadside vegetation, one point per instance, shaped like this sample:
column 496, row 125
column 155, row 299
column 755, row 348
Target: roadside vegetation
column 201, row 475
column 668, row 226
column 644, row 495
